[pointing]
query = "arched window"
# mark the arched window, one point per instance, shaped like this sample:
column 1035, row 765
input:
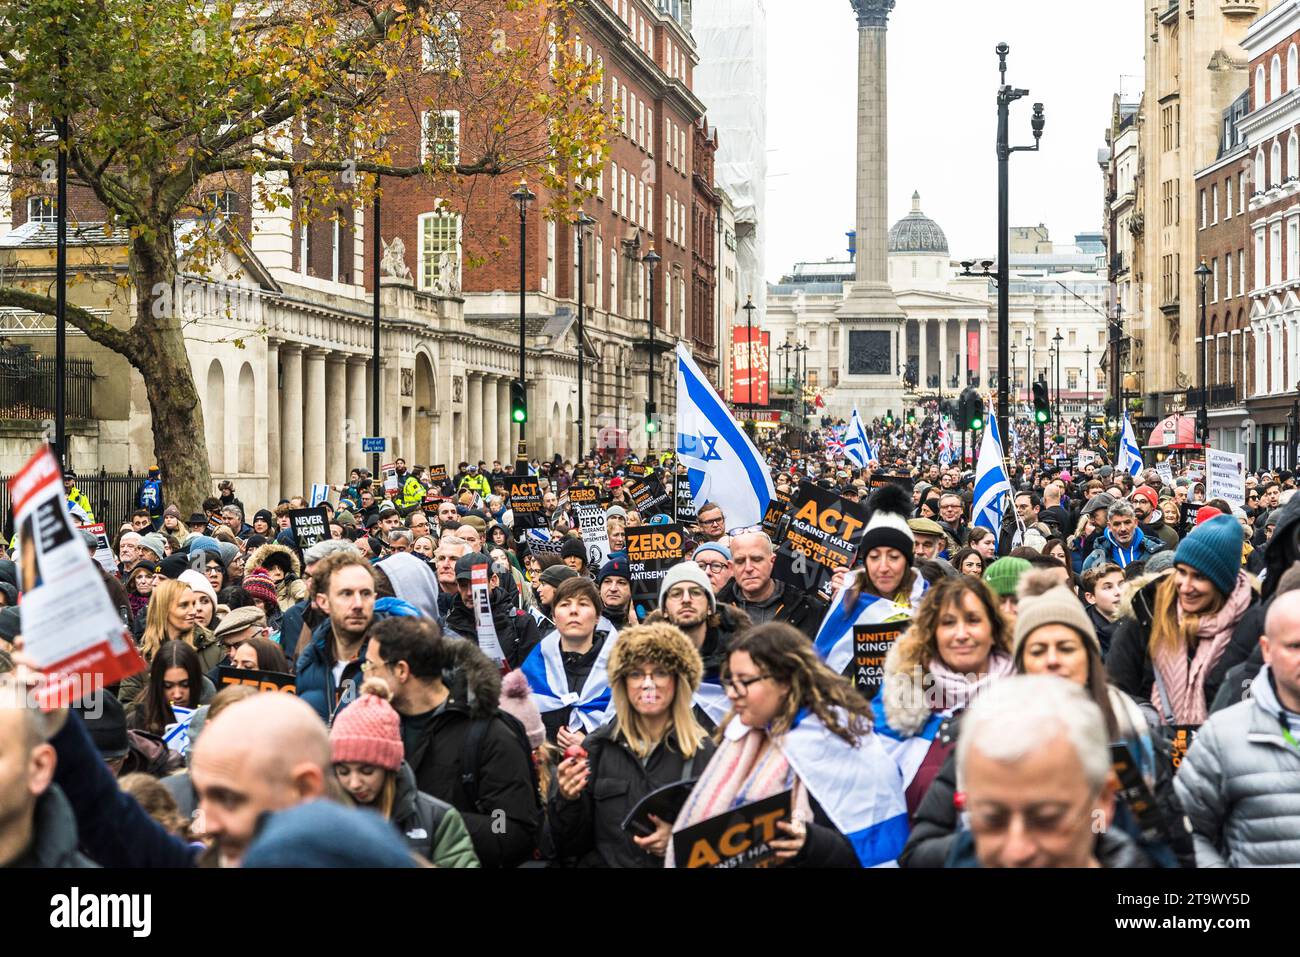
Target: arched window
column 1292, row 68
column 1275, row 165
column 1293, row 156
column 1261, row 179
column 1275, row 78
column 1259, row 86
column 214, row 415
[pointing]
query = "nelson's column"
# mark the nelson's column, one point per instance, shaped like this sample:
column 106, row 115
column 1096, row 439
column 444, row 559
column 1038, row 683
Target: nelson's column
column 873, row 325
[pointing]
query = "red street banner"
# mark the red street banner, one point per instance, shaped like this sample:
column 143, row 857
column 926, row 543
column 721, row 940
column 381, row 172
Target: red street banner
column 749, row 366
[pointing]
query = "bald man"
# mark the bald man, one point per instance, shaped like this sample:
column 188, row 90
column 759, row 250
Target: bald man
column 470, row 536
column 37, row 828
column 266, row 753
column 754, row 591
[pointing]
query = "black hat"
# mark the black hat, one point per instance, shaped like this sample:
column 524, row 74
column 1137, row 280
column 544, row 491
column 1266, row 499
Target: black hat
column 615, row 568
column 266, row 515
column 465, row 565
column 10, row 623
column 573, row 548
column 173, row 566
column 105, row 720
column 197, row 518
column 556, row 574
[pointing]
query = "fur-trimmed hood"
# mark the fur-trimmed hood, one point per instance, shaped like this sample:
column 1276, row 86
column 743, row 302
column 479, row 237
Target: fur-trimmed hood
column 1137, row 596
column 656, row 643
column 474, row 681
column 259, row 556
column 902, row 690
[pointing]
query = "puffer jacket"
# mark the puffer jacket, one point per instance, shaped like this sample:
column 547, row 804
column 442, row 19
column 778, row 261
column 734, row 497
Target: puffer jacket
column 589, row 829
column 291, row 589
column 1240, row 785
column 432, row 828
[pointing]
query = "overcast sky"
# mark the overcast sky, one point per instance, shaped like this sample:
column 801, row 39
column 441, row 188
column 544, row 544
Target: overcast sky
column 943, row 117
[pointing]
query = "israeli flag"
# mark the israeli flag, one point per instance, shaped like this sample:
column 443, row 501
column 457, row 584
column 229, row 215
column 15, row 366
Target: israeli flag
column 544, row 669
column 722, row 465
column 711, row 698
column 991, row 482
column 1130, row 453
column 834, row 641
column 857, row 447
column 858, row 786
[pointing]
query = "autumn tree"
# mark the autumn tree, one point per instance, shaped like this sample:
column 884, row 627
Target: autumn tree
column 310, row 101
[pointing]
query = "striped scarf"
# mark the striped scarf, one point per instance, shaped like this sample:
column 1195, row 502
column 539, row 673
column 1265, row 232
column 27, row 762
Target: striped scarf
column 744, row 769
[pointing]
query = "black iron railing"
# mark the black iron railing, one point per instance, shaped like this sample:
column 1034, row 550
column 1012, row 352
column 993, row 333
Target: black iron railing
column 27, row 386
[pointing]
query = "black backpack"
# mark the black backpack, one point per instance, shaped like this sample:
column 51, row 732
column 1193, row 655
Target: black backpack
column 471, row 754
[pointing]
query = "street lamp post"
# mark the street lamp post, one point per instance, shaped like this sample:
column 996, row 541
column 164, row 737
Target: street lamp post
column 1013, row 367
column 800, row 371
column 522, row 197
column 749, row 357
column 376, row 252
column 1203, row 414
column 651, row 259
column 1058, row 339
column 583, row 224
column 1087, row 390
column 1006, row 96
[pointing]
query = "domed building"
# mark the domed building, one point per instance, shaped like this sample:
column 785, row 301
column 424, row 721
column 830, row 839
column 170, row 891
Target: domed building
column 918, row 251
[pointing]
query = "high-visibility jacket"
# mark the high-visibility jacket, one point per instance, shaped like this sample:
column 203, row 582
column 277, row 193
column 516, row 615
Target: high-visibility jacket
column 412, row 493
column 476, row 483
column 77, row 497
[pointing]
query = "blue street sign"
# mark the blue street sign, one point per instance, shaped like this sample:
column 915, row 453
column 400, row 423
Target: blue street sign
column 374, row 443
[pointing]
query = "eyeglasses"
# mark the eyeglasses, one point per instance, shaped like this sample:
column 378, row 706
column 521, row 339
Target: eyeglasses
column 740, row 686
column 712, row 521
column 714, row 567
column 658, row 676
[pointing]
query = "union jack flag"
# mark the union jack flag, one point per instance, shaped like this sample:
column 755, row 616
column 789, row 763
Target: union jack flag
column 835, row 446
column 945, row 445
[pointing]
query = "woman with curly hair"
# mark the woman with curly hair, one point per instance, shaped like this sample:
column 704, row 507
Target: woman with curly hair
column 958, row 643
column 798, row 727
column 653, row 741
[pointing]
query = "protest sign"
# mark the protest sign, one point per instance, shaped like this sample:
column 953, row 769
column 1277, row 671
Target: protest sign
column 591, row 523
column 103, row 550
column 309, row 526
column 870, row 645
column 1086, row 457
column 651, row 551
column 71, row 630
column 776, row 512
column 640, row 470
column 486, row 629
column 1137, row 796
column 878, row 479
column 583, row 494
column 261, row 680
column 1226, row 476
column 437, row 475
column 1166, row 472
column 526, row 505
column 824, row 533
column 684, row 501
column 741, row 837
column 389, row 472
column 319, row 493
column 648, row 496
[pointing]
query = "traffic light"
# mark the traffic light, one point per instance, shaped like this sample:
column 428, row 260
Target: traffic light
column 518, row 402
column 911, row 416
column 1042, row 407
column 1202, row 424
column 889, row 418
column 651, row 426
column 974, row 411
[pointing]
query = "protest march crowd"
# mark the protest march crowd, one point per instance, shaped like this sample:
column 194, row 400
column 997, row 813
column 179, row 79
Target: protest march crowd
column 855, row 656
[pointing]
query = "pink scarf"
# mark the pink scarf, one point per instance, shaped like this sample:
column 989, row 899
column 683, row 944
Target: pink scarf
column 740, row 772
column 949, row 690
column 1184, row 680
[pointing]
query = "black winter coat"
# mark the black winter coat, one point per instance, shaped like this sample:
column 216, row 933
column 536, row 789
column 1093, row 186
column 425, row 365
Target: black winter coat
column 54, row 835
column 516, row 630
column 589, row 829
column 504, row 778
column 794, row 607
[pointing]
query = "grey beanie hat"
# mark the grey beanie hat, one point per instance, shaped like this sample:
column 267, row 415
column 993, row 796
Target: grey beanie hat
column 328, row 546
column 229, row 552
column 687, row 572
column 616, row 511
column 1162, row 560
column 155, row 543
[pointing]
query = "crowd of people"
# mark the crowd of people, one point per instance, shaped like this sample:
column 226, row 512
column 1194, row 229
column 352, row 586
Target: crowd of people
column 1119, row 649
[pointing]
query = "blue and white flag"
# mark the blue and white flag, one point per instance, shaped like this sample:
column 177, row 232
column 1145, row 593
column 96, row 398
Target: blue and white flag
column 858, row 787
column 991, row 482
column 722, row 465
column 1130, row 453
column 544, row 669
column 857, row 447
column 834, row 641
column 711, row 698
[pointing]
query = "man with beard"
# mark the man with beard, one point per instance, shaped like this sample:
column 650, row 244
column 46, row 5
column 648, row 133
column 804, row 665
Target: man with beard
column 515, row 629
column 344, row 585
column 615, row 584
column 1152, row 521
column 686, row 601
column 448, row 517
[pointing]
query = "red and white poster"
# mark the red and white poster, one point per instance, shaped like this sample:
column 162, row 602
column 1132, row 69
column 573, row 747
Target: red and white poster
column 70, row 627
column 973, row 354
column 749, row 366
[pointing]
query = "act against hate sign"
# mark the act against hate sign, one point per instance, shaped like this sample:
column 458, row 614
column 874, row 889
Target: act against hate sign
column 825, row 533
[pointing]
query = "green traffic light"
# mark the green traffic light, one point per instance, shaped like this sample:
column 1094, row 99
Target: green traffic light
column 1040, row 416
column 650, row 426
column 519, row 415
column 976, row 424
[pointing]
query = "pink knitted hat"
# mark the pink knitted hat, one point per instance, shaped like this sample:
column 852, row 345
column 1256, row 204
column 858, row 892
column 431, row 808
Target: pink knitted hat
column 368, row 730
column 517, row 701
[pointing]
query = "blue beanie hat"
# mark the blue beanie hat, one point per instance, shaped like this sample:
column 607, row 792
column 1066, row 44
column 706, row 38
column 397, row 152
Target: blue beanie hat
column 615, row 568
column 718, row 547
column 324, row 834
column 1213, row 548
